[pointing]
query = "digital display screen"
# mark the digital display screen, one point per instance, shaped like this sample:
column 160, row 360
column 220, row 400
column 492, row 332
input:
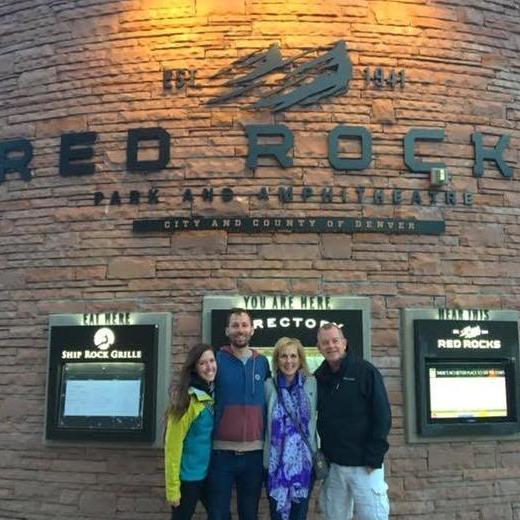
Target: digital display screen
column 102, row 395
column 111, row 397
column 467, row 392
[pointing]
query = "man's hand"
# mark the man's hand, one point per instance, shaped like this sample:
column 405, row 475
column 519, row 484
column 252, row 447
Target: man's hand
column 369, row 469
column 175, row 503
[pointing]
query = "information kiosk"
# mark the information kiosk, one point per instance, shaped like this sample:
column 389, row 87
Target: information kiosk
column 463, row 367
column 108, row 376
column 295, row 316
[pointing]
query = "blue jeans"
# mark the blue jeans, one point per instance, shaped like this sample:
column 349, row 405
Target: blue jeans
column 245, row 469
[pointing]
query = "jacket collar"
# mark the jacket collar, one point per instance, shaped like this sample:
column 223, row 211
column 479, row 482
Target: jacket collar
column 325, row 374
column 228, row 350
column 199, row 394
column 199, row 387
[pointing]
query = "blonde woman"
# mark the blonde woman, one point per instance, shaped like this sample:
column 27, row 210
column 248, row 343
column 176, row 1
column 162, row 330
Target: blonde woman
column 290, row 441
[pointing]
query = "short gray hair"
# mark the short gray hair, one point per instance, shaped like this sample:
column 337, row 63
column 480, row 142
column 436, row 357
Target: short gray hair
column 329, row 326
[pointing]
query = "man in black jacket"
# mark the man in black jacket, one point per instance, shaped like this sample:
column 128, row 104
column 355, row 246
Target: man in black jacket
column 353, row 422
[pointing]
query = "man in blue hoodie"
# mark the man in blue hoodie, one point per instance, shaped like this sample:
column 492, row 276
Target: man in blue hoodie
column 239, row 422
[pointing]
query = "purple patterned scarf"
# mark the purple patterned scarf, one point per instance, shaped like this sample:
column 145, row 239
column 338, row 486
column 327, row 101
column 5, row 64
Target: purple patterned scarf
column 290, row 463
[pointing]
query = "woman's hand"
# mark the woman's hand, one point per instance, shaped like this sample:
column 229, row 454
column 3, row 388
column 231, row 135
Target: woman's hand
column 175, row 503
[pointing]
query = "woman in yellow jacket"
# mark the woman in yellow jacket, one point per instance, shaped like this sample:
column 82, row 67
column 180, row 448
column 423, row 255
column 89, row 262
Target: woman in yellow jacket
column 189, row 427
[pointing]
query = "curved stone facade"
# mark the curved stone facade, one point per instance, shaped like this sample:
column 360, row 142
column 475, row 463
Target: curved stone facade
column 104, row 69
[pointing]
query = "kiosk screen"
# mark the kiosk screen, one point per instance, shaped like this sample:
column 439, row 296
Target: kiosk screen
column 102, row 395
column 467, row 392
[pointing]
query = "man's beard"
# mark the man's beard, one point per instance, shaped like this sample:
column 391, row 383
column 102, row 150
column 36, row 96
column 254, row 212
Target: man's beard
column 242, row 343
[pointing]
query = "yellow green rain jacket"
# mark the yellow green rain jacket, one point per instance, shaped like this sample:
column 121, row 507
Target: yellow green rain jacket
column 187, row 445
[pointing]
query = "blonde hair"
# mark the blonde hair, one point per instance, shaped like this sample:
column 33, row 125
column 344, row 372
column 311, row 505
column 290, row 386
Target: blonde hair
column 280, row 345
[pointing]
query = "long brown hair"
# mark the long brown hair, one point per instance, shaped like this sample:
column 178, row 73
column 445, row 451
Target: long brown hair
column 179, row 397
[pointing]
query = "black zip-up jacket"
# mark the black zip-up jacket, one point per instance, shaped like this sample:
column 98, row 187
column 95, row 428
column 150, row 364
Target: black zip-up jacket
column 354, row 415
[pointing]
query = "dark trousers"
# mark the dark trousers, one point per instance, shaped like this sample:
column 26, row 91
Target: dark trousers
column 191, row 493
column 245, row 470
column 298, row 510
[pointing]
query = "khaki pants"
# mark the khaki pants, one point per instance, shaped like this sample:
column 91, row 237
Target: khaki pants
column 352, row 488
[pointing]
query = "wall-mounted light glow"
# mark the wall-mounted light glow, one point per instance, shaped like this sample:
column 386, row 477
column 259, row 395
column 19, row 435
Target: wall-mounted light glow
column 439, row 176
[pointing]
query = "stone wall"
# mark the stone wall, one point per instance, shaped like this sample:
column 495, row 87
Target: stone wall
column 97, row 65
